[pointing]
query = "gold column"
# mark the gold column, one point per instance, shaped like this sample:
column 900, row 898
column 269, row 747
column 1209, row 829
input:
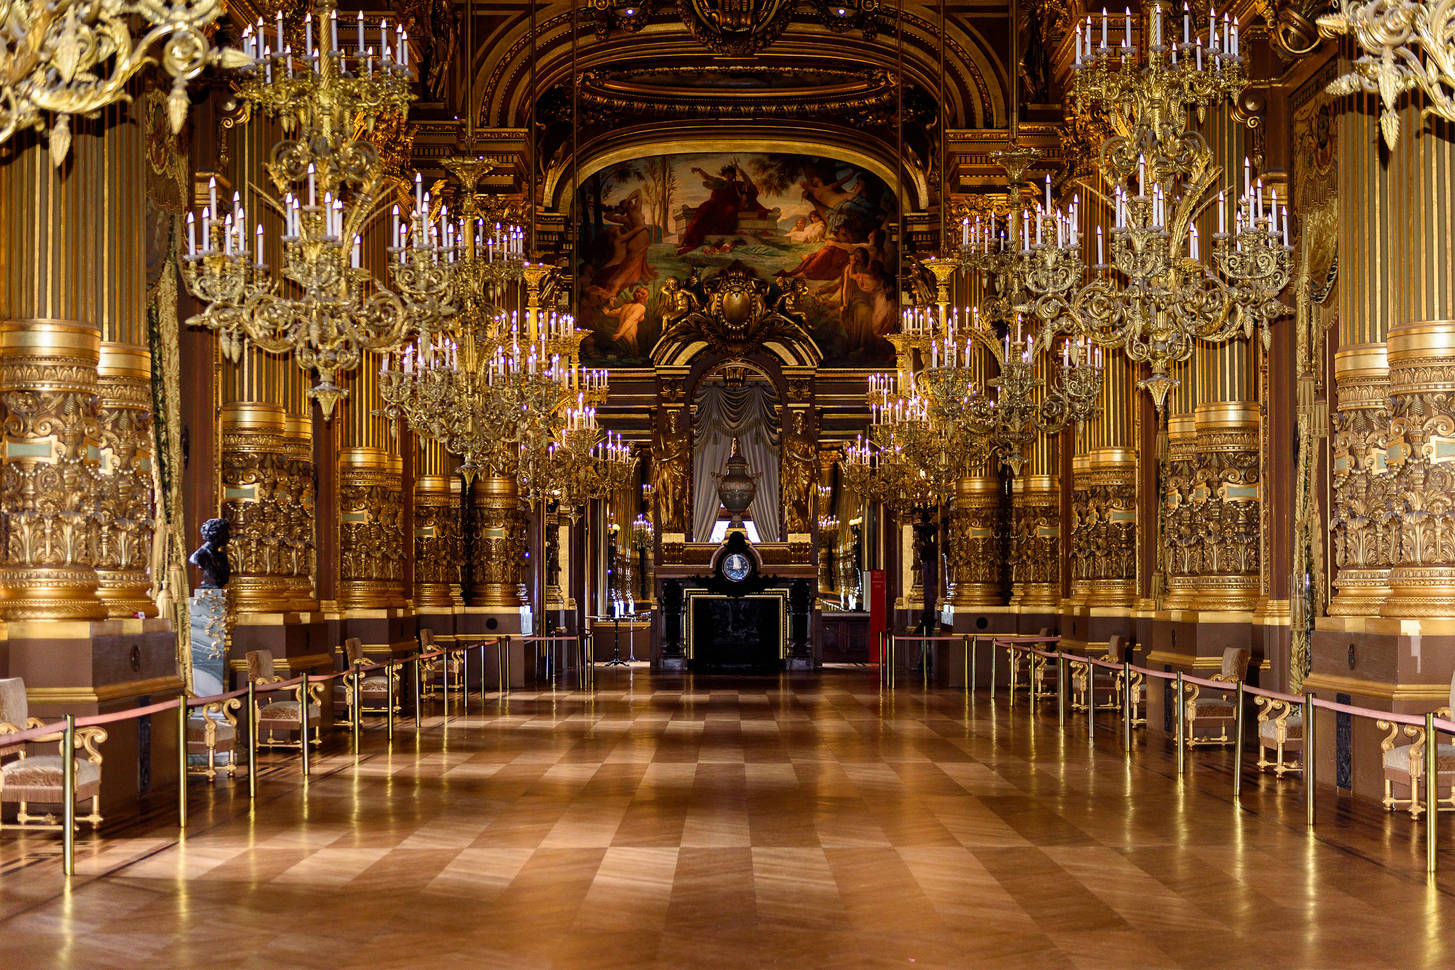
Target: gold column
column 973, row 547
column 255, row 447
column 1225, row 505
column 438, row 546
column 126, row 511
column 371, row 529
column 50, row 482
column 1182, row 548
column 498, row 553
column 1421, row 461
column 1104, row 528
column 1421, row 346
column 1036, row 531
column 1361, row 523
column 299, row 562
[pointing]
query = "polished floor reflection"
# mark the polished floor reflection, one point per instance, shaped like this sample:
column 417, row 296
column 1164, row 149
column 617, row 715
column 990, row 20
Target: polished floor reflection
column 739, row 822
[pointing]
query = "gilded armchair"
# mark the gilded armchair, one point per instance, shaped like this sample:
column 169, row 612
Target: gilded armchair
column 1021, row 660
column 211, row 731
column 1087, row 682
column 1216, row 711
column 372, row 689
column 271, row 715
column 30, row 777
column 1404, row 765
column 1280, row 728
column 438, row 673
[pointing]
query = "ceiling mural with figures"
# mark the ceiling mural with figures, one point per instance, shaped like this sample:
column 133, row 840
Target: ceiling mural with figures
column 812, row 229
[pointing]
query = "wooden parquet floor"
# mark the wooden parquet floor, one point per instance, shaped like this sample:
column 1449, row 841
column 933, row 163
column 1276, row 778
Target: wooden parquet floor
column 740, row 822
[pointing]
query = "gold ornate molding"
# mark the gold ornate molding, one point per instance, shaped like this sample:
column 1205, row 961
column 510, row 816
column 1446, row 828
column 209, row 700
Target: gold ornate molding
column 497, row 555
column 1104, row 527
column 438, row 541
column 371, row 529
column 973, row 543
column 127, row 508
column 1035, row 558
column 1361, row 523
column 50, row 481
column 267, row 498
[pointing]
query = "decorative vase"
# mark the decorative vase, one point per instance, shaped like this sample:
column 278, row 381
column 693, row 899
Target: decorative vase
column 736, row 487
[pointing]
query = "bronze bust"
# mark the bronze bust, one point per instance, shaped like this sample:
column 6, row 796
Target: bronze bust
column 211, row 556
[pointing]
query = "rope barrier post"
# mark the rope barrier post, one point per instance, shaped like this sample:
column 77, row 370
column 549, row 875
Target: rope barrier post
column 1238, row 743
column 418, row 692
column 924, row 661
column 68, row 796
column 1126, row 704
column 1035, row 681
column 465, row 679
column 358, row 706
column 1090, row 702
column 992, row 670
column 1432, row 785
column 1180, row 713
column 974, row 659
column 389, row 700
column 483, row 669
column 252, row 743
column 303, row 725
column 182, row 761
column 1061, row 689
column 1310, row 751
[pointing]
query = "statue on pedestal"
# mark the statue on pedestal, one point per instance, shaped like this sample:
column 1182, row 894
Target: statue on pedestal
column 211, row 556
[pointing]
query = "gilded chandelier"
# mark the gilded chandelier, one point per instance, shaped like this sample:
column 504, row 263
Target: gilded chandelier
column 1408, row 45
column 1153, row 292
column 327, row 308
column 60, row 58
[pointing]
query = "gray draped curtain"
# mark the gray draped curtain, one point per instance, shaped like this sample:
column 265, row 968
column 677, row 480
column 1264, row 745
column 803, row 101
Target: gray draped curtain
column 750, row 414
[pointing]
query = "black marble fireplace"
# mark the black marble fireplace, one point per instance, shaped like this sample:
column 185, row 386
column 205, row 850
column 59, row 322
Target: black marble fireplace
column 736, row 632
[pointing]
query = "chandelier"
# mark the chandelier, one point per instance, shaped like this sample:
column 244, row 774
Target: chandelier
column 325, row 308
column 1408, row 45
column 1153, row 293
column 60, row 58
column 504, row 393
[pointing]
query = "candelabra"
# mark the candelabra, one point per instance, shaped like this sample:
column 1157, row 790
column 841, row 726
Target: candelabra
column 326, row 309
column 1156, row 295
column 1408, row 45
column 60, row 58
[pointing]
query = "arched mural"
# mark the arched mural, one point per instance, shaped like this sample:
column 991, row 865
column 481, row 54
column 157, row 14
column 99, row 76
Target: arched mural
column 815, row 231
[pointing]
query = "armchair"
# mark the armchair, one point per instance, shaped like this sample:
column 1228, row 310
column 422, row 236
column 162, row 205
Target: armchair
column 29, row 777
column 1022, row 660
column 1404, row 765
column 1216, row 712
column 1280, row 727
column 212, row 730
column 437, row 674
column 373, row 689
column 1087, row 681
column 271, row 715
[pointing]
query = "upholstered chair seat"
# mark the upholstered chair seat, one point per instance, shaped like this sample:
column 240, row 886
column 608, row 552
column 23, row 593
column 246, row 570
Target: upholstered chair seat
column 212, row 731
column 1293, row 727
column 197, row 731
column 280, row 711
column 1215, row 710
column 33, row 775
column 1404, row 764
column 373, row 687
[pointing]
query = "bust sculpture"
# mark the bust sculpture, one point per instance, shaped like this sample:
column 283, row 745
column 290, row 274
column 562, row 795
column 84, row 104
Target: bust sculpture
column 211, row 556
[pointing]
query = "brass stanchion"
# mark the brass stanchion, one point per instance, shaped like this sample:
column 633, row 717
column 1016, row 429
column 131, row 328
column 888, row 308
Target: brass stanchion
column 1035, row 686
column 303, row 725
column 992, row 670
column 974, row 661
column 68, row 796
column 483, row 666
column 1181, row 727
column 389, row 700
column 1432, row 785
column 924, row 662
column 252, row 743
column 1126, row 704
column 1061, row 689
column 358, row 706
column 465, row 679
column 1238, row 743
column 1090, row 702
column 1310, row 751
column 418, row 691
column 182, row 761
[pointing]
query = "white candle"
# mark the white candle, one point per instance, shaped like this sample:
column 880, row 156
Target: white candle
column 1192, row 240
column 361, row 33
column 1078, row 45
column 1285, row 227
column 1127, row 43
column 384, row 39
column 1103, row 28
column 332, row 30
column 191, row 235
column 308, row 33
column 1156, row 26
column 1186, row 25
column 1100, row 253
column 258, row 252
column 280, row 30
column 1222, row 214
column 1048, row 193
column 1141, row 175
column 1247, row 176
column 965, row 233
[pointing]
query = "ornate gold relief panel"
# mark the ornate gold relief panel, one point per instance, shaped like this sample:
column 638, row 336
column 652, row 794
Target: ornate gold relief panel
column 972, row 543
column 438, row 540
column 1104, row 526
column 126, row 500
column 1036, row 541
column 498, row 544
column 50, row 485
column 371, row 529
column 267, row 491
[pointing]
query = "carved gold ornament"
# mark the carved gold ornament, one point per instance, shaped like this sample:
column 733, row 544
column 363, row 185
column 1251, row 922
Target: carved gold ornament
column 60, row 58
column 1408, row 46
